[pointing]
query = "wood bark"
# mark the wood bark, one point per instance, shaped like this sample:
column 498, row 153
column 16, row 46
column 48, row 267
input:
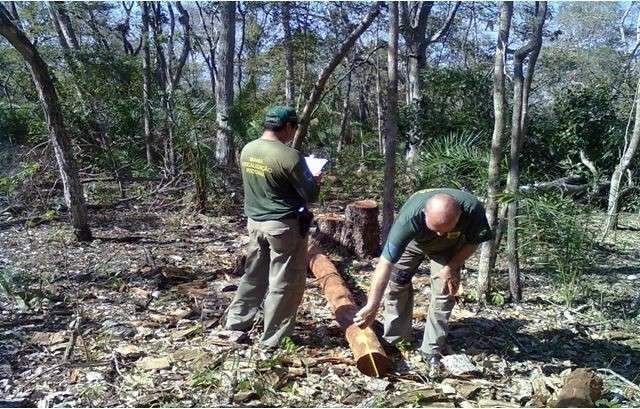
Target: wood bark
column 369, row 355
column 289, row 86
column 329, row 230
column 225, row 151
column 518, row 129
column 361, row 231
column 391, row 124
column 323, row 77
column 628, row 153
column 146, row 84
column 581, row 390
column 493, row 184
column 73, row 192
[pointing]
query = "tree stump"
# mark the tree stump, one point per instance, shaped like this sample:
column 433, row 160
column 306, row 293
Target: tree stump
column 361, row 231
column 329, row 230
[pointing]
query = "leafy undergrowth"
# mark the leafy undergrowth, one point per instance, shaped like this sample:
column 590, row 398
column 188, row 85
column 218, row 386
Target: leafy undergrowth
column 142, row 306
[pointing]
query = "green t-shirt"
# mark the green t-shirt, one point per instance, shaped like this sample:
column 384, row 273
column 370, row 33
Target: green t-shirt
column 410, row 224
column 276, row 179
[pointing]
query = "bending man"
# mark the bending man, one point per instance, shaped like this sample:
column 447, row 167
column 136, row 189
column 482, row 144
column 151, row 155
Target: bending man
column 445, row 225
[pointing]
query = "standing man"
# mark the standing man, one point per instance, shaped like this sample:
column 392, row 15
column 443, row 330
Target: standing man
column 277, row 188
column 445, row 225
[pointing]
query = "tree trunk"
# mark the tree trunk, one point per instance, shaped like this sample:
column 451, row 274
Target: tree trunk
column 493, row 184
column 368, row 352
column 361, row 231
column 78, row 67
column 391, row 125
column 413, row 19
column 342, row 139
column 289, row 88
column 225, row 151
column 146, row 84
column 379, row 106
column 326, row 72
column 48, row 96
column 170, row 72
column 520, row 98
column 628, row 153
column 581, row 390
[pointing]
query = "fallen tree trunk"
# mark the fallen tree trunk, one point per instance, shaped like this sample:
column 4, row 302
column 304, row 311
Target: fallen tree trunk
column 368, row 353
column 581, row 389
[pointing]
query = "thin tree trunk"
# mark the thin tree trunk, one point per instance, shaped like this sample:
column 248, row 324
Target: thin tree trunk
column 520, row 97
column 413, row 19
column 170, row 73
column 48, row 96
column 379, row 102
column 391, row 126
column 628, row 153
column 225, row 151
column 493, row 185
column 242, row 39
column 289, row 87
column 146, row 84
column 78, row 67
column 346, row 114
column 326, row 72
column 210, row 56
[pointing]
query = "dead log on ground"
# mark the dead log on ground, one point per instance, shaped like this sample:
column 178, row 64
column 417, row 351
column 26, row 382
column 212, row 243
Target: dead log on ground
column 581, row 389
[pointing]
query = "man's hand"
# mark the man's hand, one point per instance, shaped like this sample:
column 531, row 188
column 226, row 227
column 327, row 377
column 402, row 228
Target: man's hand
column 450, row 280
column 365, row 317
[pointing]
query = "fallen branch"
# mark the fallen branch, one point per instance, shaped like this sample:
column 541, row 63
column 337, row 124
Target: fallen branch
column 74, row 330
column 622, row 378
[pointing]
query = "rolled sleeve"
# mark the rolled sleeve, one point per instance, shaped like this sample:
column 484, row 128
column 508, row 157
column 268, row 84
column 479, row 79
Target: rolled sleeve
column 400, row 235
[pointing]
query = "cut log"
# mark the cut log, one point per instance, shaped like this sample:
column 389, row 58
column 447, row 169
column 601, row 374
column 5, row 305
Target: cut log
column 581, row 389
column 361, row 231
column 369, row 355
column 329, row 230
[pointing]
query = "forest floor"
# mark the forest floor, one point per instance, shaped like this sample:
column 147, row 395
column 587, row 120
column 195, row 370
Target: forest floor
column 137, row 314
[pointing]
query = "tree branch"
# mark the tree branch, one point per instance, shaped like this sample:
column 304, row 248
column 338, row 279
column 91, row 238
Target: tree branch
column 445, row 27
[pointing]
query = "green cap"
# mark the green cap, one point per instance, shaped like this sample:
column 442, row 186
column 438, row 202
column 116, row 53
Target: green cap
column 279, row 115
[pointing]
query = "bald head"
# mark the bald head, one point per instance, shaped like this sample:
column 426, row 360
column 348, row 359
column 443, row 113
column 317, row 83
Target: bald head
column 442, row 213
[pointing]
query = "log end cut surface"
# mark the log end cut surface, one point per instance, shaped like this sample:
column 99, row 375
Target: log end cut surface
column 365, row 204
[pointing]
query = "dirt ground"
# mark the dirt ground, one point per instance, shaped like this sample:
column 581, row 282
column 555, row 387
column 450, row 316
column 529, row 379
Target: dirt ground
column 132, row 319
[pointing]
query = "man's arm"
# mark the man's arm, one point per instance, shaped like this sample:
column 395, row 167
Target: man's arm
column 304, row 182
column 450, row 273
column 367, row 314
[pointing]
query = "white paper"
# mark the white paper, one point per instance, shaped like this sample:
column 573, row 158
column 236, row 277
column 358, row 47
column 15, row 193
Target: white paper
column 315, row 164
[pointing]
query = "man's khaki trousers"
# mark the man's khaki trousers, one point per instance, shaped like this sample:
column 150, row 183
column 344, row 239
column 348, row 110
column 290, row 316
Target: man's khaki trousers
column 398, row 304
column 275, row 272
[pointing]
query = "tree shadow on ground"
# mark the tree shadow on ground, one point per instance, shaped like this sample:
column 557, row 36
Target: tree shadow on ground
column 128, row 221
column 505, row 337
